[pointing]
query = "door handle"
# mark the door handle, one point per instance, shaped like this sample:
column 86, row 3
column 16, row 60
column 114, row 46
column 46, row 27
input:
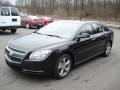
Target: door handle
column 94, row 38
column 106, row 35
column 14, row 20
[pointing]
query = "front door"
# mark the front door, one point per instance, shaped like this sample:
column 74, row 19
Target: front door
column 85, row 47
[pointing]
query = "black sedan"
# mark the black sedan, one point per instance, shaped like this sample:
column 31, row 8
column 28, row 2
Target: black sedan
column 55, row 48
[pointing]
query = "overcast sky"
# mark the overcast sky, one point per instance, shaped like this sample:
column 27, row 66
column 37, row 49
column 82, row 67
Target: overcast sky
column 13, row 1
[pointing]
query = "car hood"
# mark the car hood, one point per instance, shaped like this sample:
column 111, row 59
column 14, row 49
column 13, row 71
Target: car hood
column 35, row 41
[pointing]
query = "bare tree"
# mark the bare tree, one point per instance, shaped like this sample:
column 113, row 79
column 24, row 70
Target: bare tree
column 76, row 8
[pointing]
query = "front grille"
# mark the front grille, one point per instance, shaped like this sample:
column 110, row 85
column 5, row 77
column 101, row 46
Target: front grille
column 14, row 55
column 14, row 58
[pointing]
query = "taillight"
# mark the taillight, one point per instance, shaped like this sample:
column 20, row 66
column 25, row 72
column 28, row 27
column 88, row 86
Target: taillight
column 34, row 21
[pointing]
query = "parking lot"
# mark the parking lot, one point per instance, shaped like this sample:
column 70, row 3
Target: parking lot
column 100, row 73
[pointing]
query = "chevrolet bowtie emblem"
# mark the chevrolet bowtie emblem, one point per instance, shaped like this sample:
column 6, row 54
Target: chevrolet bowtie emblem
column 11, row 53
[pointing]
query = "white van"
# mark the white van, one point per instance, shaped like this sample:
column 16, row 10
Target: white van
column 9, row 19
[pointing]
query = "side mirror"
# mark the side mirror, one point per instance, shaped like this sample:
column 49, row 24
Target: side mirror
column 83, row 35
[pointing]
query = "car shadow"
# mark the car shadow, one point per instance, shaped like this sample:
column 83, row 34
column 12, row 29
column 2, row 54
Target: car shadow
column 44, row 78
column 6, row 33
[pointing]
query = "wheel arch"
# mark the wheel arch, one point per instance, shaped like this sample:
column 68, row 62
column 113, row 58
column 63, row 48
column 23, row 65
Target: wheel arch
column 111, row 42
column 71, row 55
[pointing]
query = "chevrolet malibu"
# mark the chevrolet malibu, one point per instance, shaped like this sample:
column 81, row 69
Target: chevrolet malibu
column 57, row 47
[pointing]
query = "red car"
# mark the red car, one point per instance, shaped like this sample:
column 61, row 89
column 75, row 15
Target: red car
column 47, row 20
column 31, row 21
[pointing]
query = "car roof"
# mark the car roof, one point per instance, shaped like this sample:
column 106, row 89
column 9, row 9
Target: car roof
column 7, row 7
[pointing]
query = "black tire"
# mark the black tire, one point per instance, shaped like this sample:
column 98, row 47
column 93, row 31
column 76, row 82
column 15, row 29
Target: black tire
column 4, row 29
column 107, row 50
column 38, row 27
column 66, row 73
column 14, row 30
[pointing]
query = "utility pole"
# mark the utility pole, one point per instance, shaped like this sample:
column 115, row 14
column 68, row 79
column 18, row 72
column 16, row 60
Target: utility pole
column 81, row 9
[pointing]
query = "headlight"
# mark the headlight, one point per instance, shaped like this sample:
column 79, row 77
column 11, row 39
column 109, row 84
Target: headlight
column 40, row 55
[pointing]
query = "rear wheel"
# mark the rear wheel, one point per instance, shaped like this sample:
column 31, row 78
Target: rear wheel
column 63, row 66
column 27, row 26
column 107, row 51
column 13, row 30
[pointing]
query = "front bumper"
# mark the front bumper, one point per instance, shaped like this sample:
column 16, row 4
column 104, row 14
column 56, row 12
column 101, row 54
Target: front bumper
column 30, row 67
column 9, row 27
column 36, row 24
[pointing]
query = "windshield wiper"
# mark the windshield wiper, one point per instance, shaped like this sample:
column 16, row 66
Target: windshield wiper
column 53, row 36
column 49, row 35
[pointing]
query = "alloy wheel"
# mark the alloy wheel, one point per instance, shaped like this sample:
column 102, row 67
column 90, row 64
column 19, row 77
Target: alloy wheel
column 108, row 49
column 64, row 66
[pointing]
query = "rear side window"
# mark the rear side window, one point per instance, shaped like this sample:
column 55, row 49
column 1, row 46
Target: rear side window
column 97, row 28
column 5, row 12
column 105, row 28
column 14, row 12
column 86, row 29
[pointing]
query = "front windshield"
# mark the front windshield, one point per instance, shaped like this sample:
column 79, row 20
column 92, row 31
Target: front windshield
column 61, row 29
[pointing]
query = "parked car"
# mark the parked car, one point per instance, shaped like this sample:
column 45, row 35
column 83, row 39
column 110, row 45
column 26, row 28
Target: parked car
column 47, row 20
column 9, row 19
column 30, row 21
column 55, row 48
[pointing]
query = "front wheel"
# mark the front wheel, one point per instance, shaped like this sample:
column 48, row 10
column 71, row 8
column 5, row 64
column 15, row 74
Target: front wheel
column 63, row 66
column 4, row 29
column 13, row 30
column 107, row 51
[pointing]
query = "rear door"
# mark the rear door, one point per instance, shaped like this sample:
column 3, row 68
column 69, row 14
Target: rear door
column 5, row 19
column 9, row 17
column 98, row 37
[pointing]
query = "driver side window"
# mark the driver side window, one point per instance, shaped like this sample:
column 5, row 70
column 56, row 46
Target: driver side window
column 86, row 29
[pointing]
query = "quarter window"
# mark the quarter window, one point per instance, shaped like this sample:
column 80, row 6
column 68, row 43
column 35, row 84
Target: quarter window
column 105, row 29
